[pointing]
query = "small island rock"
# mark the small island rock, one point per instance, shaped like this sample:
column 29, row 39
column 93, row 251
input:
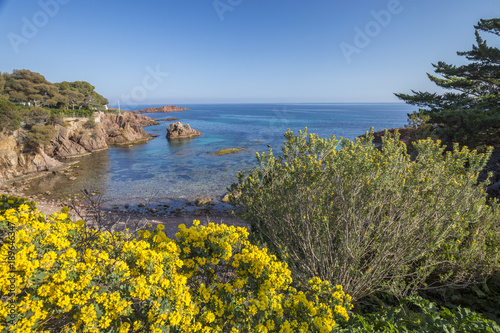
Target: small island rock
column 163, row 109
column 179, row 131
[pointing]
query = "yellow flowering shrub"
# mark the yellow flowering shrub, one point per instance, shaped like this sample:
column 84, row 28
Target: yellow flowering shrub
column 57, row 279
column 54, row 285
column 241, row 287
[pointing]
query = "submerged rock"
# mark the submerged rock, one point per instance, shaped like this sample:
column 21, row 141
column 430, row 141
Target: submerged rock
column 203, row 201
column 228, row 151
column 179, row 131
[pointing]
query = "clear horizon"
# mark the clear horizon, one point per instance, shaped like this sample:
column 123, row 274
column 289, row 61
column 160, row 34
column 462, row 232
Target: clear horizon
column 236, row 51
column 263, row 103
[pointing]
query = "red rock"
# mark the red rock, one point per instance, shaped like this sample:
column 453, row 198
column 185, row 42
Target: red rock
column 179, row 131
column 163, row 109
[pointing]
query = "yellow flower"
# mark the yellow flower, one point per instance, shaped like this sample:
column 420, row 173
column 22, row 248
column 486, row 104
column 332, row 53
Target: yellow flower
column 109, row 283
column 209, row 317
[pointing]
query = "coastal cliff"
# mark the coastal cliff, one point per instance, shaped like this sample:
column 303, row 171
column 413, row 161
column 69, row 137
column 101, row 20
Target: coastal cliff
column 16, row 162
column 79, row 136
column 163, row 109
column 74, row 137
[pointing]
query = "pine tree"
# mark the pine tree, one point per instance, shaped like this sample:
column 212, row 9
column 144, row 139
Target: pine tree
column 26, row 86
column 471, row 114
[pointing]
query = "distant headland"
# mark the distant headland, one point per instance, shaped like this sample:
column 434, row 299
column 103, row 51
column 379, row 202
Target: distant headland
column 165, row 108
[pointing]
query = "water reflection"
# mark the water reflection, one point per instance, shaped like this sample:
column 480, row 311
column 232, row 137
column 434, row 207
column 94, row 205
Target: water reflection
column 90, row 172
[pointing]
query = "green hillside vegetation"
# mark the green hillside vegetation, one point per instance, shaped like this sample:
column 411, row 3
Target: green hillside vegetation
column 36, row 122
column 30, row 102
column 25, row 87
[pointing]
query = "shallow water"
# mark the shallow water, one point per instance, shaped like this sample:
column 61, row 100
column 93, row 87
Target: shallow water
column 188, row 169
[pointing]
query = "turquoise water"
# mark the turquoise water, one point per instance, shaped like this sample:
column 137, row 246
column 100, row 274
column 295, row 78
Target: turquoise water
column 189, row 169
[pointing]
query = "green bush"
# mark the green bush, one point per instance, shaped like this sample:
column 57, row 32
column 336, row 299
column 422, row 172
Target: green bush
column 421, row 128
column 9, row 115
column 416, row 314
column 74, row 113
column 56, row 119
column 371, row 219
column 36, row 116
column 473, row 127
column 90, row 123
column 482, row 298
column 39, row 135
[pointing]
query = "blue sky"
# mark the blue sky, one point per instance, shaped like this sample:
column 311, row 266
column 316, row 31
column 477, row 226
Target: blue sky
column 223, row 51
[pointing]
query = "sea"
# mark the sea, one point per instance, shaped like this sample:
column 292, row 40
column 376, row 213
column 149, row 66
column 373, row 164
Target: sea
column 162, row 170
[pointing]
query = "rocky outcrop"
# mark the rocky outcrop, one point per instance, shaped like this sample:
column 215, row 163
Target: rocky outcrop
column 127, row 134
column 74, row 137
column 116, row 120
column 79, row 138
column 179, row 131
column 163, row 109
column 14, row 162
column 125, row 128
column 203, row 201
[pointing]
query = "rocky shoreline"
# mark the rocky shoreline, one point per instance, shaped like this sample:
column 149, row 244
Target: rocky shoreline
column 74, row 137
column 172, row 214
column 185, row 213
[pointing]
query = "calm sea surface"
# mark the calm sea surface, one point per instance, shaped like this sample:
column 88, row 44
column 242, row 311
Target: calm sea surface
column 188, row 169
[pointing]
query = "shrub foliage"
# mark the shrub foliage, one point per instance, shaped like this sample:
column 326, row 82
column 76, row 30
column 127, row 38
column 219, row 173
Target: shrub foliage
column 415, row 314
column 39, row 135
column 9, row 118
column 371, row 219
column 208, row 280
